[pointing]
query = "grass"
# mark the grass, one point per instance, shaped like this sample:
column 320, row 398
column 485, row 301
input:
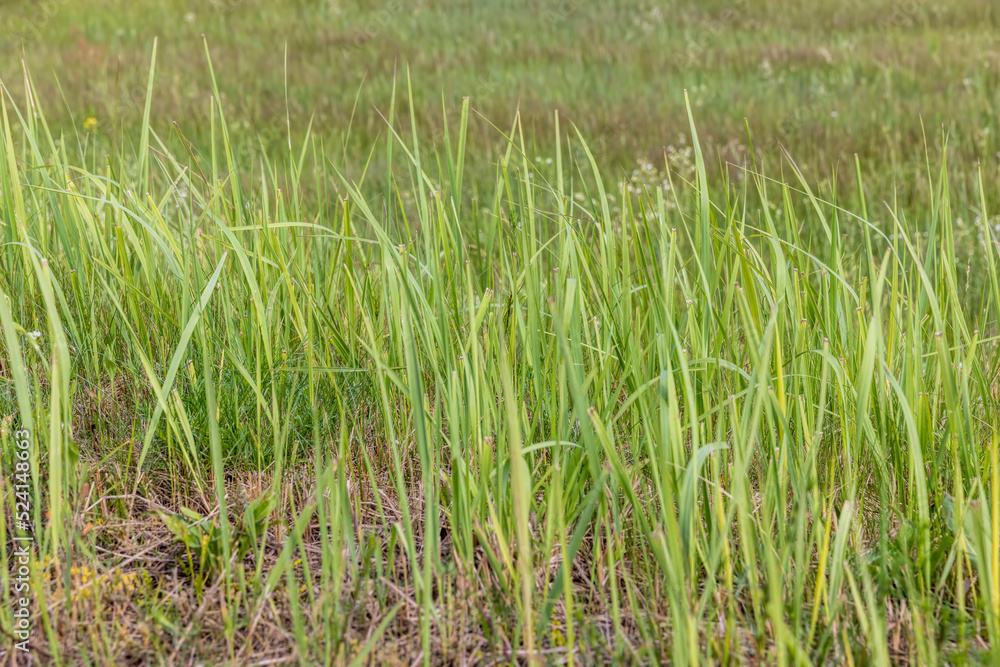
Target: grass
column 283, row 411
column 829, row 81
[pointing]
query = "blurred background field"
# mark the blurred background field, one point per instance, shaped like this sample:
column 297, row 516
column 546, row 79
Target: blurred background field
column 883, row 79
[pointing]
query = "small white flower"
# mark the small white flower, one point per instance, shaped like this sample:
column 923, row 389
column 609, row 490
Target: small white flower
column 35, row 335
column 833, row 114
column 548, row 160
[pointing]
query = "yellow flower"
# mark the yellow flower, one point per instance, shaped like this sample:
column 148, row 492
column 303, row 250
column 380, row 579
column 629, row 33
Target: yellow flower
column 90, row 124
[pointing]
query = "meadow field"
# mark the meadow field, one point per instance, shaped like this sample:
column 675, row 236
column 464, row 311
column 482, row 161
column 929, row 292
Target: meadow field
column 499, row 332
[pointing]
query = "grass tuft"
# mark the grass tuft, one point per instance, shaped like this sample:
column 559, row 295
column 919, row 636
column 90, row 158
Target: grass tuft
column 563, row 418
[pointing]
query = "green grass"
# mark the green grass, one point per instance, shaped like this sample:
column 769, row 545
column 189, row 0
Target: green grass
column 466, row 405
column 829, row 80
